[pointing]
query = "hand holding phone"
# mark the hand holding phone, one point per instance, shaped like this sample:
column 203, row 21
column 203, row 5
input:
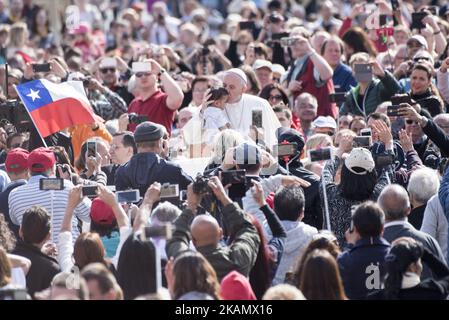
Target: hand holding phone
column 417, row 20
column 91, row 149
column 286, row 150
column 233, row 177
column 247, row 25
column 41, row 67
column 90, row 191
column 322, row 154
column 393, row 111
column 169, row 191
column 51, row 184
column 363, row 72
column 361, row 142
column 128, row 196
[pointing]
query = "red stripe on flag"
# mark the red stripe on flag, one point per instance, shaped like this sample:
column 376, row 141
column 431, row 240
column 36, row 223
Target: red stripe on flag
column 61, row 114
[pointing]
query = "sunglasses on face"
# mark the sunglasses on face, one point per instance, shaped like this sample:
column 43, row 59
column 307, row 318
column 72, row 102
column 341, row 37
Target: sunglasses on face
column 106, row 70
column 141, row 74
column 276, row 97
column 421, row 58
column 411, row 122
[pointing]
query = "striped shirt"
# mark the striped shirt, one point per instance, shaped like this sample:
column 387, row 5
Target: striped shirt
column 55, row 202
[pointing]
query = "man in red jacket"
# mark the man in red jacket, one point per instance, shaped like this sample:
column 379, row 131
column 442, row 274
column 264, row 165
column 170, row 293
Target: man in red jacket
column 309, row 72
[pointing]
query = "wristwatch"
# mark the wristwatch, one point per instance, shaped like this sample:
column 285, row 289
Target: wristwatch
column 161, row 72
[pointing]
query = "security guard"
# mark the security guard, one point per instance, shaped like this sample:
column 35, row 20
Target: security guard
column 147, row 166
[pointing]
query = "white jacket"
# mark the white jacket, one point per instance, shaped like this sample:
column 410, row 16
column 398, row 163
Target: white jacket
column 299, row 234
column 435, row 223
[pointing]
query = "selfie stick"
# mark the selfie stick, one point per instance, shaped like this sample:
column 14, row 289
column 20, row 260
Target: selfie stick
column 326, row 206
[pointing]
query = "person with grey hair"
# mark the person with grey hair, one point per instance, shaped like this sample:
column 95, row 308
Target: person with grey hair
column 423, row 184
column 306, row 109
column 442, row 120
column 395, row 203
column 435, row 223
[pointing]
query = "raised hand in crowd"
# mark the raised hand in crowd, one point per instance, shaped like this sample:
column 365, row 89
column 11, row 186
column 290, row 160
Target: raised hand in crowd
column 406, row 141
column 444, row 65
column 219, row 191
column 378, row 70
column 292, row 180
column 108, row 197
column 193, row 199
column 258, row 194
column 410, row 112
column 383, row 133
column 345, row 145
column 93, row 165
column 57, row 69
column 152, row 196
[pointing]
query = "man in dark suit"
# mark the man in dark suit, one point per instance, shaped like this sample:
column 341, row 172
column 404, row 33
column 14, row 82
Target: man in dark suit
column 147, row 166
column 395, row 202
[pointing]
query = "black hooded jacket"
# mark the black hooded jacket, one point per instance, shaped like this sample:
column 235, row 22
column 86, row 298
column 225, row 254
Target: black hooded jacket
column 145, row 168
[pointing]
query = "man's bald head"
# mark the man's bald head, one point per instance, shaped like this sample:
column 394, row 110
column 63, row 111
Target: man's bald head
column 205, row 231
column 395, row 202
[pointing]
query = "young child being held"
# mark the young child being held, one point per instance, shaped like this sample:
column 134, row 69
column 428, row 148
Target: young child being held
column 214, row 116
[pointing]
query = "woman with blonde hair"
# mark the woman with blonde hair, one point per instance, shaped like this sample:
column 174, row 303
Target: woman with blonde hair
column 223, row 141
column 18, row 38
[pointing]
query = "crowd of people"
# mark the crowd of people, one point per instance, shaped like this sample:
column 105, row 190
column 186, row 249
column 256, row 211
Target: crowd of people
column 241, row 150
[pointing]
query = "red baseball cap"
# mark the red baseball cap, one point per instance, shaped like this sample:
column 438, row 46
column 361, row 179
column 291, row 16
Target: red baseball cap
column 17, row 160
column 101, row 213
column 41, row 159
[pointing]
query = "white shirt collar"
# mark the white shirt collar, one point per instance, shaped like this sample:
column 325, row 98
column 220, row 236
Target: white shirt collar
column 397, row 223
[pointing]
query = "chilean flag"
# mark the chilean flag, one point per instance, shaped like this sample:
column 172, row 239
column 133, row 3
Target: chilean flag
column 55, row 107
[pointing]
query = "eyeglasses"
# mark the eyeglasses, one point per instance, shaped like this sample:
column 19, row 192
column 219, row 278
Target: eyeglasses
column 411, row 121
column 106, row 70
column 141, row 74
column 421, row 58
column 329, row 133
column 276, row 97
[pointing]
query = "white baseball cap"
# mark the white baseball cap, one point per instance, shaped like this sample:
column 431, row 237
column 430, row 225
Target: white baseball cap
column 260, row 63
column 108, row 63
column 277, row 68
column 421, row 40
column 360, row 158
column 324, row 122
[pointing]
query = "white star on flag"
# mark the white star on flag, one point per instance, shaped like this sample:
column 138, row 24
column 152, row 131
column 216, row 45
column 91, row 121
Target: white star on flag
column 34, row 94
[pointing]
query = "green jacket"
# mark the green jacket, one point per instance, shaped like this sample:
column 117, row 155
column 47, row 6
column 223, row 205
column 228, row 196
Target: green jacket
column 377, row 92
column 240, row 255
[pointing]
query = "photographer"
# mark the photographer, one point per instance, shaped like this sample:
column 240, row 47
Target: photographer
column 423, row 130
column 206, row 234
column 89, row 167
column 164, row 28
column 208, row 60
column 273, row 26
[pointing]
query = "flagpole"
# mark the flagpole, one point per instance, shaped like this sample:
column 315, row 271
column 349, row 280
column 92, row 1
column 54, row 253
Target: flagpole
column 29, row 114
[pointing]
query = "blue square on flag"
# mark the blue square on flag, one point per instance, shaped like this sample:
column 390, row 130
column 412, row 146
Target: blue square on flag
column 34, row 95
